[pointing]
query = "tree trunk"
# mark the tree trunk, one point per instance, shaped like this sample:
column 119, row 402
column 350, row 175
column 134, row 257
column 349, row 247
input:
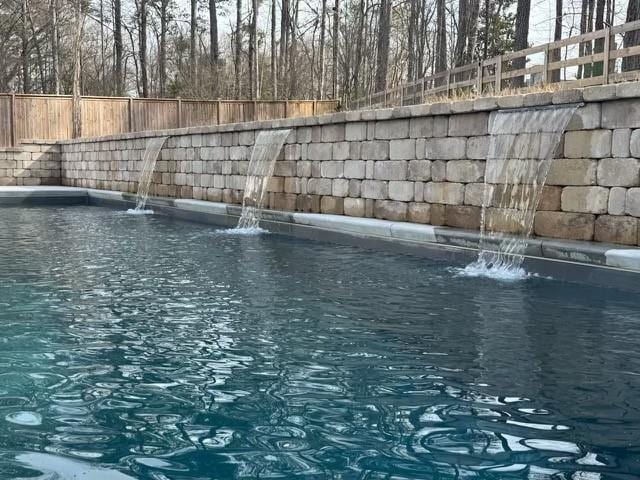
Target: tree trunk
column 253, row 51
column 193, row 64
column 143, row 48
column 441, row 37
column 599, row 43
column 321, row 73
column 77, row 71
column 274, row 59
column 284, row 35
column 521, row 40
column 336, row 42
column 359, row 46
column 238, row 47
column 411, row 40
column 162, row 53
column 213, row 32
column 55, row 47
column 557, row 35
column 293, row 53
column 117, row 44
column 632, row 38
column 25, row 52
column 463, row 30
column 382, row 60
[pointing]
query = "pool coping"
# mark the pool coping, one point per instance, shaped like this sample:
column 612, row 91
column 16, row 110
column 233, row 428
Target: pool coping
column 434, row 241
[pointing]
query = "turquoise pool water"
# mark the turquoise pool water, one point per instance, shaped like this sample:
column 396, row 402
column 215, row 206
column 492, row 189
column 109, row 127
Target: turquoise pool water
column 142, row 347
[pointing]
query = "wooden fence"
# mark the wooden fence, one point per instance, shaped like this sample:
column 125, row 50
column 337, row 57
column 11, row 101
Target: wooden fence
column 542, row 64
column 49, row 117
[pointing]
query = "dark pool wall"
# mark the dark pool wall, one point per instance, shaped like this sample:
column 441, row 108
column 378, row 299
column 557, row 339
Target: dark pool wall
column 422, row 164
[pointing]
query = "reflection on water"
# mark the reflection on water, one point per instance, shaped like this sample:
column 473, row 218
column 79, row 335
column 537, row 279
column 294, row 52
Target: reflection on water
column 217, row 356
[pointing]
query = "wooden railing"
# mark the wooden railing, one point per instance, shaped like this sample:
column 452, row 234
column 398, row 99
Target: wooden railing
column 515, row 70
column 49, row 117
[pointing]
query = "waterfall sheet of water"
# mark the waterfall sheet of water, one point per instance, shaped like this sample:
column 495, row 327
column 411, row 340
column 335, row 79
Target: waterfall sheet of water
column 263, row 162
column 522, row 145
column 151, row 154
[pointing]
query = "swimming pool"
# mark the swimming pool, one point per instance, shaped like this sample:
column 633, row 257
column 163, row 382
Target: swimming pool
column 148, row 347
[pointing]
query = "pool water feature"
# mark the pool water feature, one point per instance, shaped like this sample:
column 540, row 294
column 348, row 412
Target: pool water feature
column 149, row 160
column 274, row 357
column 266, row 149
column 521, row 148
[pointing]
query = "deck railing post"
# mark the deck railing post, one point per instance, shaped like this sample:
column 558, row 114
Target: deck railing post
column 498, row 74
column 422, row 91
column 545, row 71
column 14, row 140
column 179, row 113
column 448, row 83
column 130, row 108
column 607, row 55
column 218, row 113
column 479, row 81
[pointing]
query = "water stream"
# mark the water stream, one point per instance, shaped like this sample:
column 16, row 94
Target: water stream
column 263, row 162
column 522, row 145
column 149, row 160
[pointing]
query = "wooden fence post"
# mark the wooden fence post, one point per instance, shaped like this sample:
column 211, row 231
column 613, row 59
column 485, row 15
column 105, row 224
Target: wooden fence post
column 448, row 83
column 607, row 55
column 179, row 113
column 498, row 74
column 479, row 78
column 14, row 140
column 315, row 108
column 255, row 110
column 218, row 115
column 422, row 92
column 130, row 104
column 545, row 71
column 286, row 109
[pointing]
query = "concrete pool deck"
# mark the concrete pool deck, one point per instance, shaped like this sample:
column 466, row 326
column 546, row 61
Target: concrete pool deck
column 571, row 260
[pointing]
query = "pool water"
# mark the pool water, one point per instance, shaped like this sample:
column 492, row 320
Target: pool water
column 145, row 347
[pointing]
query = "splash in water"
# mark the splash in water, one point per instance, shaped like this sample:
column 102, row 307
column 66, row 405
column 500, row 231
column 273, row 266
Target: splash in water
column 151, row 153
column 523, row 143
column 263, row 162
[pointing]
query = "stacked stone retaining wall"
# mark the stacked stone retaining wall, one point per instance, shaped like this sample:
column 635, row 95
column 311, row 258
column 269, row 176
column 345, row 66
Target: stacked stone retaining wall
column 422, row 164
column 31, row 163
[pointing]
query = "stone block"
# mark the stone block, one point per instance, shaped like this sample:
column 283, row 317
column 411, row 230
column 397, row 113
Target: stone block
column 615, row 229
column 478, row 148
column 468, row 124
column 444, row 193
column 484, row 104
column 332, row 169
column 283, row 201
column 354, row 168
column 320, row 151
column 333, row 205
column 303, row 135
column 599, row 93
column 340, row 187
column 566, row 96
column 419, row 213
column 319, row 186
column 438, row 171
column 354, row 207
column 333, row 133
column 465, row 171
column 619, row 172
column 369, row 169
column 621, row 142
column 374, row 189
column 421, row 127
column 474, row 194
column 451, row 148
column 550, row 198
column 621, row 114
column 308, row 203
column 392, row 129
column 283, row 168
column 292, row 185
column 617, row 201
column 401, row 190
column 628, row 90
column 341, row 151
column 585, row 199
column 632, row 206
column 214, row 194
column 572, row 171
column 355, row 187
column 587, row 144
column 510, row 101
column 375, row 150
column 437, row 214
column 419, row 170
column 586, row 118
column 390, row 210
column 418, row 191
column 303, row 168
column 402, row 149
column 390, row 170
column 634, row 143
column 573, row 226
column 537, row 99
column 462, row 216
column 356, row 131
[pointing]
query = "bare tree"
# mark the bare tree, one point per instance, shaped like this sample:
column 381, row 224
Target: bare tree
column 117, row 43
column 238, row 51
column 632, row 38
column 253, row 51
column 336, row 42
column 441, row 37
column 142, row 46
column 521, row 37
column 321, row 59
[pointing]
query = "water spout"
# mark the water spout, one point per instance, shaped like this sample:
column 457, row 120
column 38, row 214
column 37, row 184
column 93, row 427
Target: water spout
column 151, row 153
column 522, row 145
column 263, row 162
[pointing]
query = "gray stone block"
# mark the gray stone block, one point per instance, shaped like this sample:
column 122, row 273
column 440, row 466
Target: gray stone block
column 319, row 186
column 585, row 199
column 474, row 193
column 617, row 201
column 356, row 131
column 390, row 210
column 320, row 151
column 444, row 192
column 586, row 117
column 619, row 172
column 587, row 144
column 421, row 127
column 438, row 171
column 401, row 190
column 333, row 133
column 374, row 189
column 465, row 171
column 332, row 169
column 634, row 143
column 599, row 93
column 392, row 129
column 354, row 168
column 621, row 142
column 340, row 187
column 572, row 171
column 402, row 149
column 633, row 202
column 445, row 148
column 375, row 150
column 478, row 147
column 354, row 207
column 419, row 170
column 390, row 170
column 468, row 124
column 341, row 151
column 621, row 114
column 355, row 188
